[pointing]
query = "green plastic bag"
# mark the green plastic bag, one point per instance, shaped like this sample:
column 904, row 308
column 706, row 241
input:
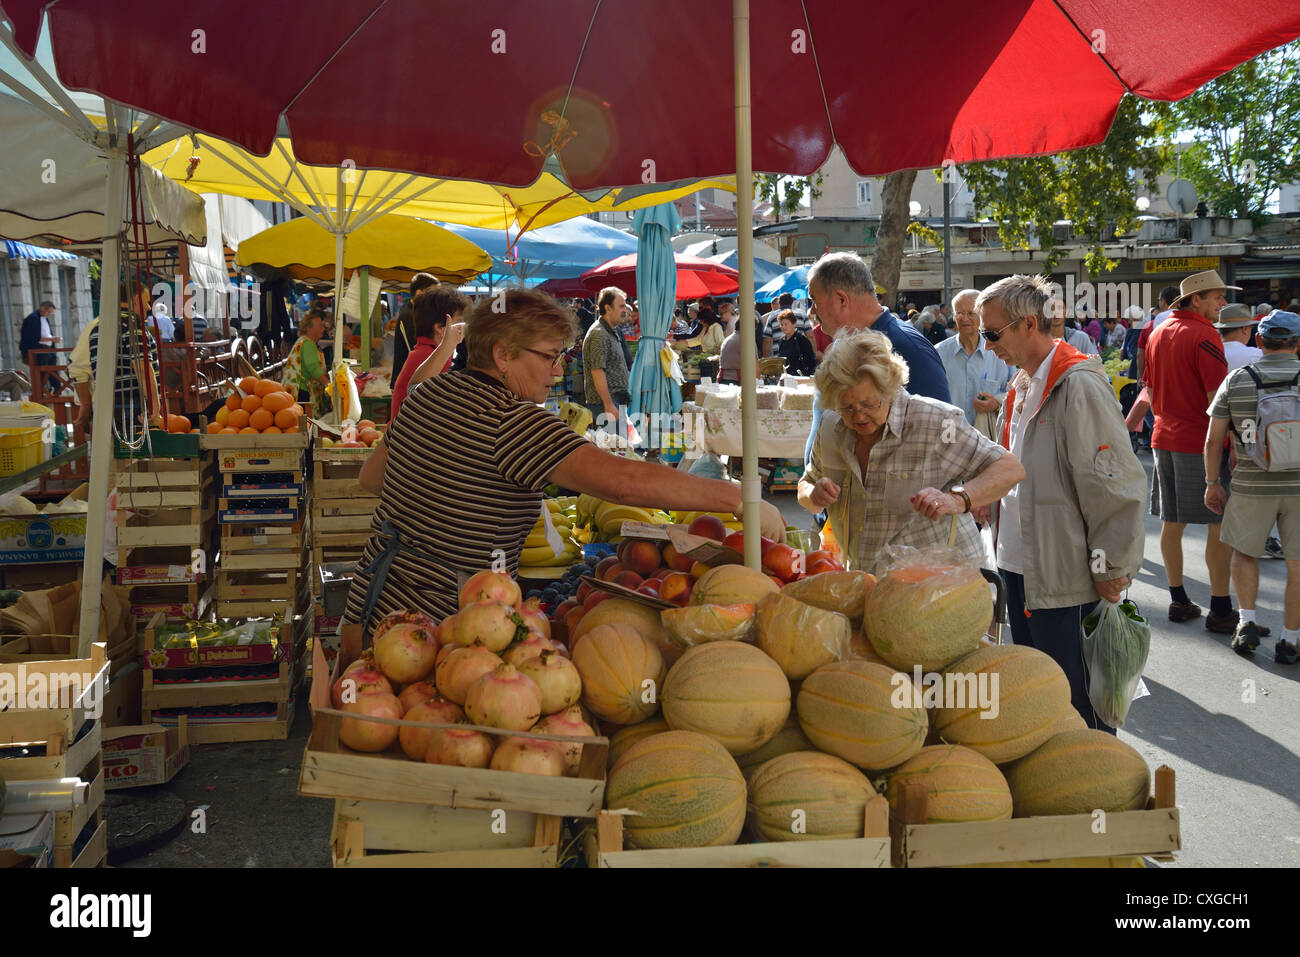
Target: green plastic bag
column 1116, row 640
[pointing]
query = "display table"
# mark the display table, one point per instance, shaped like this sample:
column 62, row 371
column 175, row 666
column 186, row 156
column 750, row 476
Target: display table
column 781, row 434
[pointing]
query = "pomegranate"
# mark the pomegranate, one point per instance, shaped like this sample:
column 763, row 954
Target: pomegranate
column 406, row 652
column 529, row 756
column 435, row 710
column 492, row 622
column 403, row 618
column 447, row 631
column 529, row 647
column 505, row 699
column 461, row 668
column 415, row 694
column 367, row 660
column 459, row 746
column 491, row 586
column 556, row 678
column 370, row 736
column 535, row 619
column 567, row 723
column 355, row 682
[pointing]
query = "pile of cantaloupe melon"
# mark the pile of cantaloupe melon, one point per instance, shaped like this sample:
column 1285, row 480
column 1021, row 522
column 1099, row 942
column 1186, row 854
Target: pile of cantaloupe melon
column 257, row 407
column 815, row 709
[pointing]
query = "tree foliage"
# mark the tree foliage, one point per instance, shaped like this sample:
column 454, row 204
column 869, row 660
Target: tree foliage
column 1092, row 187
column 785, row 193
column 1246, row 132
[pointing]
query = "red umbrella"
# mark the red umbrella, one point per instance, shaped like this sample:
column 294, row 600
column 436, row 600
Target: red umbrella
column 584, row 81
column 696, row 277
column 566, row 288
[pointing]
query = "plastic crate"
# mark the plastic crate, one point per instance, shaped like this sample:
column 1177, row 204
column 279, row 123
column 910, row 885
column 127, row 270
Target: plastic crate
column 21, row 449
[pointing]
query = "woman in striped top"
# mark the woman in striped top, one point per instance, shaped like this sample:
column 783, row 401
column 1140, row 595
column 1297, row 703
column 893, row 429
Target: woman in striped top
column 461, row 470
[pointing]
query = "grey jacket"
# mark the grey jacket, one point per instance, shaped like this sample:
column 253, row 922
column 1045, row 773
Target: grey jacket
column 1082, row 500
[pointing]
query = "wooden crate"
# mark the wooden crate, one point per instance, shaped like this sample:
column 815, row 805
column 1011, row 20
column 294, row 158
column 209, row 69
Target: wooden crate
column 94, row 854
column 195, row 604
column 163, row 483
column 276, row 691
column 68, row 824
column 605, row 848
column 190, row 526
column 260, row 537
column 258, row 584
column 331, row 770
column 342, row 515
column 425, row 835
column 55, row 727
column 163, row 565
column 265, row 607
column 1153, row 832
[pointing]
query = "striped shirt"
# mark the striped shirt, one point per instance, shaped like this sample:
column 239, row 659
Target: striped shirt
column 1237, row 400
column 926, row 444
column 467, row 462
column 128, row 400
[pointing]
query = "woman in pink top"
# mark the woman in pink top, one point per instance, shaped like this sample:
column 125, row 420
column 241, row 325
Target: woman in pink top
column 438, row 329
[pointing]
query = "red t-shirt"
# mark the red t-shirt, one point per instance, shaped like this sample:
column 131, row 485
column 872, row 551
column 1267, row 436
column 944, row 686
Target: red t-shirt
column 424, row 347
column 820, row 339
column 1184, row 361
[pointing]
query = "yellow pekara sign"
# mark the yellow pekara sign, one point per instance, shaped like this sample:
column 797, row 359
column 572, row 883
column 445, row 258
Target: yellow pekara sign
column 1183, row 264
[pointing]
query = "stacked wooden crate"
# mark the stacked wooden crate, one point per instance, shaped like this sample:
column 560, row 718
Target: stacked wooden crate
column 50, row 729
column 341, row 515
column 264, row 568
column 227, row 693
column 166, row 521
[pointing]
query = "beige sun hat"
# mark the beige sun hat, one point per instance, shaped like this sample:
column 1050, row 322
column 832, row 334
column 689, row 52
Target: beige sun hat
column 1201, row 282
column 1235, row 315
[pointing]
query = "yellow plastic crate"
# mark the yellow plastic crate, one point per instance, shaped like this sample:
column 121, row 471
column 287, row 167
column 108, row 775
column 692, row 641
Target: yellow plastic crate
column 20, row 449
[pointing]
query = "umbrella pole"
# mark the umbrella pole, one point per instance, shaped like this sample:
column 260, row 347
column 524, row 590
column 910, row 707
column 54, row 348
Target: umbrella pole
column 363, row 322
column 101, row 430
column 751, row 487
column 340, row 241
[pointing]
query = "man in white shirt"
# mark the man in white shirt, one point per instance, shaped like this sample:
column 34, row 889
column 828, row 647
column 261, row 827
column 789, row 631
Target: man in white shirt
column 977, row 379
column 1235, row 325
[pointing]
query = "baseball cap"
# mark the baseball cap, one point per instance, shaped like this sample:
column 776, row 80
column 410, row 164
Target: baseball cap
column 1280, row 324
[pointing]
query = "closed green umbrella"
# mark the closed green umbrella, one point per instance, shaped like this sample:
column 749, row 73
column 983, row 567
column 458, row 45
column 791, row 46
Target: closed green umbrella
column 653, row 391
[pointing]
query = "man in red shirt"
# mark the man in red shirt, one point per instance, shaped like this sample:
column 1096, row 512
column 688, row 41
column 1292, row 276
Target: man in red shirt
column 1184, row 367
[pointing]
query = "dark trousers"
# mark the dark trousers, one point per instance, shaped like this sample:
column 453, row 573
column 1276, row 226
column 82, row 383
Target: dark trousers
column 1055, row 632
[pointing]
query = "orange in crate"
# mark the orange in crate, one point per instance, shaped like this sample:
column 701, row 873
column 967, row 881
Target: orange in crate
column 287, row 419
column 248, row 385
column 261, row 419
column 237, row 419
column 251, row 404
column 233, row 402
column 276, row 402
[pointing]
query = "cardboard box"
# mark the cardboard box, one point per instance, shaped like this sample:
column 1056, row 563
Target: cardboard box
column 144, row 754
column 30, row 539
column 122, row 703
column 26, row 838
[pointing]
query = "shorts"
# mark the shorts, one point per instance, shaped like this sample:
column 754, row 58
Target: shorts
column 1248, row 521
column 1178, row 489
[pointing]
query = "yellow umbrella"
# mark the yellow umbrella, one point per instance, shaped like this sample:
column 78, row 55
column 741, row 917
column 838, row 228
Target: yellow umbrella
column 394, row 248
column 209, row 165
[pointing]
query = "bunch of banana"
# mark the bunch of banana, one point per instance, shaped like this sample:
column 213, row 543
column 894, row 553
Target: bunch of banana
column 537, row 550
column 609, row 518
column 734, row 523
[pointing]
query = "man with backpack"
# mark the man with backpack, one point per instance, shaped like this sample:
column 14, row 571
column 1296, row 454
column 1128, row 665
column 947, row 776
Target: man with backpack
column 1260, row 405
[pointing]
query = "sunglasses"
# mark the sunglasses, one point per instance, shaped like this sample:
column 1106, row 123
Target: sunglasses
column 993, row 335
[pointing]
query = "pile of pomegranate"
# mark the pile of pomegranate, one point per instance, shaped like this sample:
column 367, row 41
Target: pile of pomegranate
column 492, row 664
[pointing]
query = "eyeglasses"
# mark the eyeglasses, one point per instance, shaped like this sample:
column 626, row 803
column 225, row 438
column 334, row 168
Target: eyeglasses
column 859, row 408
column 550, row 359
column 993, row 335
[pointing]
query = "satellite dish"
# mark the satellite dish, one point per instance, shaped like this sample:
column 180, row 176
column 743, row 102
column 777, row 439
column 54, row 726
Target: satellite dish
column 1182, row 197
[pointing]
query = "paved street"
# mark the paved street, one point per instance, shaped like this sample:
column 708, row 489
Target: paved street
column 1236, row 760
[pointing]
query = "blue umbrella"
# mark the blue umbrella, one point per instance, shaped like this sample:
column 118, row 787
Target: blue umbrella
column 656, row 285
column 764, row 271
column 794, row 281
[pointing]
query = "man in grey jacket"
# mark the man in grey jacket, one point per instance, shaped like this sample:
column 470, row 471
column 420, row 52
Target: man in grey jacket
column 1072, row 530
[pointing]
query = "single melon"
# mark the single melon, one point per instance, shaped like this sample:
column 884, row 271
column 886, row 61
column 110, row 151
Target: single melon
column 789, row 738
column 843, row 592
column 808, row 796
column 624, row 738
column 862, row 712
column 960, row 785
column 697, row 624
column 927, row 615
column 730, row 691
column 732, row 585
column 1070, row 721
column 1078, row 772
column 801, row 638
column 685, row 788
column 1027, row 693
column 620, row 611
column 622, row 673
column 859, row 647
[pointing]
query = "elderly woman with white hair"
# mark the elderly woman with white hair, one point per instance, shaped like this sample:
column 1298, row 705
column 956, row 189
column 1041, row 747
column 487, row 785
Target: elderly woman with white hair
column 889, row 467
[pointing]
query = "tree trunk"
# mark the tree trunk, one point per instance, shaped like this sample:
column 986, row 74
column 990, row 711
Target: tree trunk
column 887, row 262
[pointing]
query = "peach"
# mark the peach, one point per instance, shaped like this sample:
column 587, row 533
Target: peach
column 641, row 557
column 708, row 526
column 594, row 598
column 676, row 587
column 613, row 571
column 677, row 562
column 604, row 565
column 698, row 569
column 628, row 579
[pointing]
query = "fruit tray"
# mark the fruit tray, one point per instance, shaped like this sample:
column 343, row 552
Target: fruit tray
column 385, row 834
column 1061, row 839
column 604, row 848
column 332, row 770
